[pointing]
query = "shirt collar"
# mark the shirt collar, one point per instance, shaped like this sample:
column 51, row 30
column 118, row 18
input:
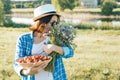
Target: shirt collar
column 31, row 34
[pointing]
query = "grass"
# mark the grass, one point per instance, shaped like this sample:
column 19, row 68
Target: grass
column 8, row 37
column 96, row 56
column 101, row 26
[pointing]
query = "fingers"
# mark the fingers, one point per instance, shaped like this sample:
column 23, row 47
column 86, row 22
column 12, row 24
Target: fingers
column 48, row 48
column 35, row 70
column 42, row 66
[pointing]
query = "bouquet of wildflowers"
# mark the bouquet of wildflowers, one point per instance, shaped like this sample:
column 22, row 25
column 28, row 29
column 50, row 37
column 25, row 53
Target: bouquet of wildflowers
column 61, row 35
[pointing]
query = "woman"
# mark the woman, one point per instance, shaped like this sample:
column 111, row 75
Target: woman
column 35, row 43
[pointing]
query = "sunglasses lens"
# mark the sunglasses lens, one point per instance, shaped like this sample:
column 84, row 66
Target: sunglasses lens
column 54, row 23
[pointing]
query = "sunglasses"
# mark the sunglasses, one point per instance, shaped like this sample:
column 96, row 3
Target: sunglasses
column 53, row 23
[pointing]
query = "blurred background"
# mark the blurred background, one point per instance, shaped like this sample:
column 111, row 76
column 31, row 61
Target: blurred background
column 98, row 36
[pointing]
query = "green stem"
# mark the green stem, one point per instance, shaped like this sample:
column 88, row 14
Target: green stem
column 50, row 66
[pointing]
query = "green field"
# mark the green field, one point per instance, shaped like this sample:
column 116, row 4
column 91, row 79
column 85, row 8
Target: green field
column 96, row 56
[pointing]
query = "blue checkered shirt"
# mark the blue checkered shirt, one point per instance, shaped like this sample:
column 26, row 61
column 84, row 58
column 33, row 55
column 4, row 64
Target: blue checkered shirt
column 24, row 47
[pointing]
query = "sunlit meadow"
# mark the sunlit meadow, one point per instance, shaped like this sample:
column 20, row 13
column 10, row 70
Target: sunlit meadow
column 96, row 56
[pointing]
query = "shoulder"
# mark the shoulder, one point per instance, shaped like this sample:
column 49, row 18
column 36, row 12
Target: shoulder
column 27, row 35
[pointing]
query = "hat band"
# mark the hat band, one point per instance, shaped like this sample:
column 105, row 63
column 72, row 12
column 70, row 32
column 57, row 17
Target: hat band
column 50, row 12
column 45, row 14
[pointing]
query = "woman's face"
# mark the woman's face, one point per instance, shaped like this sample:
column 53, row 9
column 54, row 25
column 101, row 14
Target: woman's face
column 52, row 22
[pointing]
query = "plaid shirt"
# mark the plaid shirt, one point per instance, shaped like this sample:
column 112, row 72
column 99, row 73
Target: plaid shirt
column 24, row 47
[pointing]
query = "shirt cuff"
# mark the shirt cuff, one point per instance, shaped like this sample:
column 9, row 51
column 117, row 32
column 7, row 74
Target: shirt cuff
column 68, row 52
column 18, row 69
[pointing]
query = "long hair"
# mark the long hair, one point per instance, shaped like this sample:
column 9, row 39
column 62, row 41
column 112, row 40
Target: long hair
column 41, row 23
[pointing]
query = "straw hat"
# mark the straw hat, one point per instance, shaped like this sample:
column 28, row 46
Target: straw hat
column 43, row 11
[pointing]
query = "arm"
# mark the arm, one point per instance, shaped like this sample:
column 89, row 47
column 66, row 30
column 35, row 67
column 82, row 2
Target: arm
column 65, row 52
column 20, row 52
column 34, row 70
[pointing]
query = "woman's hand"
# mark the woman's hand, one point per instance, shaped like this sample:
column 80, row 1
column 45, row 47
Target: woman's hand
column 49, row 48
column 34, row 70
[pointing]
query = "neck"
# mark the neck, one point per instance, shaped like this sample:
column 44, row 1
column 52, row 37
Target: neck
column 37, row 34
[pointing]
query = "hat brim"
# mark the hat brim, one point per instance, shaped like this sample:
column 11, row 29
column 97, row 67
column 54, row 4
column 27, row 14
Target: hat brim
column 38, row 17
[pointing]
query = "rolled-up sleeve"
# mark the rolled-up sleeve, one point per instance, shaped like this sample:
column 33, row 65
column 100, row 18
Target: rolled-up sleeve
column 17, row 68
column 68, row 52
